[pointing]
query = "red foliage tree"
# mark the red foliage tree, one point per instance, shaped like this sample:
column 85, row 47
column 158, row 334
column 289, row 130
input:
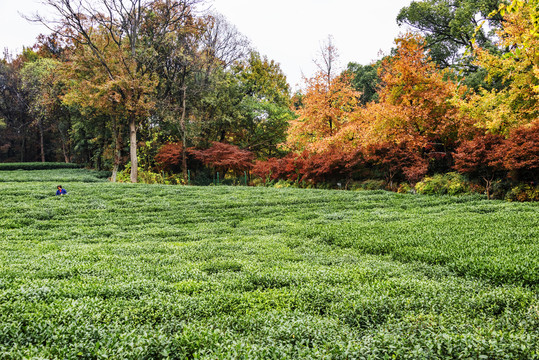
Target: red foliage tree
column 287, row 168
column 521, row 153
column 224, row 157
column 480, row 158
column 397, row 162
column 169, row 156
column 332, row 165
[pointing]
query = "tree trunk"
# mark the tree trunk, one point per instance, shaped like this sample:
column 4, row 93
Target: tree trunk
column 64, row 149
column 41, row 142
column 184, row 137
column 23, row 146
column 133, row 150
column 117, row 152
column 66, row 158
column 488, row 186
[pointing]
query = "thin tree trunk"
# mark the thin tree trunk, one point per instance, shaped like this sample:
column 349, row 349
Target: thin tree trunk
column 41, row 142
column 184, row 137
column 23, row 146
column 117, row 152
column 66, row 158
column 133, row 150
column 64, row 150
column 488, row 186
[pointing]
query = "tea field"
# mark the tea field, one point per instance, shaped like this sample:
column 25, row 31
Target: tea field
column 132, row 271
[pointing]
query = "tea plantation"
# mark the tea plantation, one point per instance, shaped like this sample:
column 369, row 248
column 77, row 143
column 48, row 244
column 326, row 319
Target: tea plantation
column 150, row 271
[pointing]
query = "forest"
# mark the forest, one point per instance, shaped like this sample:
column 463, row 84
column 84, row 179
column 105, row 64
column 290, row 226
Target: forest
column 161, row 91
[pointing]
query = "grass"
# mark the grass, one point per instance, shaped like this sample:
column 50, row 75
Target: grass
column 151, row 271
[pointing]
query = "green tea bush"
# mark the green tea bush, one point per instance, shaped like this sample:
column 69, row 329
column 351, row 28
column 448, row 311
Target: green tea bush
column 168, row 272
column 59, row 176
column 441, row 184
column 38, row 166
column 369, row 185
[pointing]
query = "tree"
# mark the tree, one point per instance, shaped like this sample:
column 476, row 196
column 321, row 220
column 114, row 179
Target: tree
column 328, row 104
column 415, row 103
column 13, row 112
column 177, row 58
column 480, row 158
column 397, row 161
column 225, row 157
column 121, row 93
column 521, row 153
column 38, row 80
column 450, row 26
column 501, row 110
column 365, row 80
column 265, row 106
column 114, row 27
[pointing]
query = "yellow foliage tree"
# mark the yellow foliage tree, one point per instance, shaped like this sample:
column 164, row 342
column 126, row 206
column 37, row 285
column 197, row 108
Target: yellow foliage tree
column 517, row 103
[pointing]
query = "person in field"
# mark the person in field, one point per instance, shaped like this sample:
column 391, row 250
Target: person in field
column 60, row 190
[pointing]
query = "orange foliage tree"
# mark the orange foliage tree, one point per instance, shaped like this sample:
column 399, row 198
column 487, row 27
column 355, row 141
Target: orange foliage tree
column 121, row 91
column 415, row 102
column 328, row 103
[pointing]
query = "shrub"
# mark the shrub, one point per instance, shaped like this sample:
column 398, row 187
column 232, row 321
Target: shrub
column 282, row 184
column 521, row 153
column 500, row 188
column 404, row 188
column 369, row 185
column 523, row 192
column 451, row 184
column 148, row 177
column 480, row 158
column 169, row 156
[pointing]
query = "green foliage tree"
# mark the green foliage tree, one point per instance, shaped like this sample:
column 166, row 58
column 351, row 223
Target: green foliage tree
column 449, row 26
column 365, row 79
column 38, row 81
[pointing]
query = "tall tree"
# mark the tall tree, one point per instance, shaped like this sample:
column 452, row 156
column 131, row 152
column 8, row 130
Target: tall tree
column 38, row 82
column 264, row 107
column 451, row 26
column 326, row 109
column 124, row 97
column 365, row 79
column 119, row 23
column 501, row 110
column 415, row 102
column 329, row 102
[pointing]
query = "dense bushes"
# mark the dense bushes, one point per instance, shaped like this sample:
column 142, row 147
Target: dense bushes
column 443, row 184
column 492, row 164
column 489, row 162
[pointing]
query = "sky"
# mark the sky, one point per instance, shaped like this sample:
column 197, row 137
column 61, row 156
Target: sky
column 287, row 31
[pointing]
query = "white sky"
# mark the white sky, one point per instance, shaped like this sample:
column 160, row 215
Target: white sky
column 287, row 31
